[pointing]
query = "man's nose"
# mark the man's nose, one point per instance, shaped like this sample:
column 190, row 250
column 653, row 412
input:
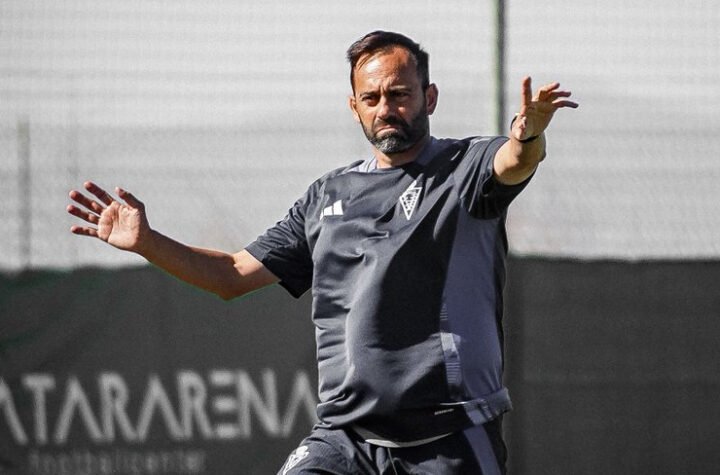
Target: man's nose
column 385, row 107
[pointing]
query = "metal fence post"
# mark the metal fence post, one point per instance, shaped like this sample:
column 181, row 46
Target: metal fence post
column 498, row 121
column 24, row 193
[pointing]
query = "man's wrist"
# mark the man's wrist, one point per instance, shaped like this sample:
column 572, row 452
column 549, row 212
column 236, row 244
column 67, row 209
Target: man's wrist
column 525, row 140
column 146, row 243
column 529, row 139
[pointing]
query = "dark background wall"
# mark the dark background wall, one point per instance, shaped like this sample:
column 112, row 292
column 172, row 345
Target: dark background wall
column 613, row 368
column 239, row 377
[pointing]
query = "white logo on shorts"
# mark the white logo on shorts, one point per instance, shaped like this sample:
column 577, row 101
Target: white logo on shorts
column 295, row 458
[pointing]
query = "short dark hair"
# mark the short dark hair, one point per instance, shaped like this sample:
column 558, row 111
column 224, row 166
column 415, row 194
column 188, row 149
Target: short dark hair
column 384, row 40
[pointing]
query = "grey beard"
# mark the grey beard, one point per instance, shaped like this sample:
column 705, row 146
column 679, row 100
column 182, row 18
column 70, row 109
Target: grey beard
column 392, row 143
column 396, row 142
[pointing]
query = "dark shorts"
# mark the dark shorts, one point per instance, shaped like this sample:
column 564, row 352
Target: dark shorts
column 478, row 450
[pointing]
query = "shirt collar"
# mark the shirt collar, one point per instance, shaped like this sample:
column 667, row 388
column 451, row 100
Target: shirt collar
column 422, row 159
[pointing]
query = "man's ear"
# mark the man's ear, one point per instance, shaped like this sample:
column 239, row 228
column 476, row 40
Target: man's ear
column 353, row 107
column 431, row 97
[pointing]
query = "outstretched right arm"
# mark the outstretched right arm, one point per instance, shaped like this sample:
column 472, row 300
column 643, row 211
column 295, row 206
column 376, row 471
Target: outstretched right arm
column 125, row 226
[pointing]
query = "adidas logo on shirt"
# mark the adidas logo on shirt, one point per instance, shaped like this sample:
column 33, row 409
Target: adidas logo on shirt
column 333, row 210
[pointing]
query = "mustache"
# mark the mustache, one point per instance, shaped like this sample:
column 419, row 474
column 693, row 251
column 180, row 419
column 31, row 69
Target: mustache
column 391, row 120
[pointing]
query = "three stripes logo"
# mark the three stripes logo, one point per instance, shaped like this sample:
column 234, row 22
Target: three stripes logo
column 409, row 199
column 334, row 209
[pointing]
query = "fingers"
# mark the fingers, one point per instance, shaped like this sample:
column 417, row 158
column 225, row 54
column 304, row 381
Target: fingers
column 557, row 102
column 571, row 104
column 83, row 200
column 91, row 218
column 84, row 231
column 526, row 93
column 537, row 110
column 129, row 198
column 550, row 93
column 547, row 89
column 90, row 210
column 551, row 96
column 95, row 207
column 101, row 194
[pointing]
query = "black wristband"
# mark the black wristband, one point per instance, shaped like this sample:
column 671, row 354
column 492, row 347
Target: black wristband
column 529, row 139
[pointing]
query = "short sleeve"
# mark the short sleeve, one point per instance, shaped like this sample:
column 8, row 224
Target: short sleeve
column 482, row 195
column 283, row 249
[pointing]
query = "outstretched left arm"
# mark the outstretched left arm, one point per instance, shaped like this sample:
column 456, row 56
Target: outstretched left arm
column 517, row 159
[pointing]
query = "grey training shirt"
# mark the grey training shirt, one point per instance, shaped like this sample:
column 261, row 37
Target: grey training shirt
column 406, row 267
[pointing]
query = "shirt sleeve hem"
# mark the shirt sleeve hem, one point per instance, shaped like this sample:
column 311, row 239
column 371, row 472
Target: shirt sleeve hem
column 262, row 255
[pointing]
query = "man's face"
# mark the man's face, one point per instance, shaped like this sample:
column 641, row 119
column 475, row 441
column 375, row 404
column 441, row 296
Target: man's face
column 390, row 102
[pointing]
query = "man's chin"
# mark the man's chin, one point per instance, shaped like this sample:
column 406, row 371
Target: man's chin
column 392, row 143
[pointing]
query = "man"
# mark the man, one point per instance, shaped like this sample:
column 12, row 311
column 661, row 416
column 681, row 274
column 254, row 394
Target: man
column 404, row 253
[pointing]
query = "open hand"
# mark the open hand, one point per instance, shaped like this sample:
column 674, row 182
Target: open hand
column 123, row 225
column 537, row 111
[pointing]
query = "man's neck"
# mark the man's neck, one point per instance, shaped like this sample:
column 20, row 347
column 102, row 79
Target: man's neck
column 387, row 160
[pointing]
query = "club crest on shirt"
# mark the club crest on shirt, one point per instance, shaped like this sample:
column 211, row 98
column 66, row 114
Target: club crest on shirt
column 409, row 199
column 295, row 458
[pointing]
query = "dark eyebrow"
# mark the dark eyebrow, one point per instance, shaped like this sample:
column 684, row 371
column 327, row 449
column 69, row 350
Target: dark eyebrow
column 367, row 93
column 398, row 88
